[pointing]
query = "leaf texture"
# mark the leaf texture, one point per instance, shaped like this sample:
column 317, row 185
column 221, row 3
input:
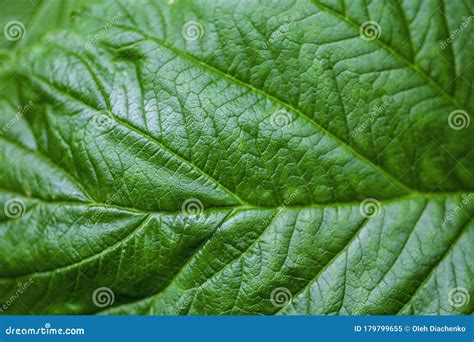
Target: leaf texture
column 132, row 119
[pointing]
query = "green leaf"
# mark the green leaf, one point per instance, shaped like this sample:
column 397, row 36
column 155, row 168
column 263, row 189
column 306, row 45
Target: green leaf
column 23, row 22
column 310, row 157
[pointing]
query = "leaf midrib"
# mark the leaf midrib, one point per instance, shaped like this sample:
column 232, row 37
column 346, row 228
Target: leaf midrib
column 231, row 209
column 288, row 106
column 145, row 134
column 342, row 143
column 228, row 76
column 411, row 196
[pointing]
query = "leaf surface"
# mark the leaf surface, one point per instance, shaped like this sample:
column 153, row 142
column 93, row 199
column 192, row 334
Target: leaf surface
column 199, row 175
